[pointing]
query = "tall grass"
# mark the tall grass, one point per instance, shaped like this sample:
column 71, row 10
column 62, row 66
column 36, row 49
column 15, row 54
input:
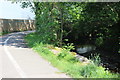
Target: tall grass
column 67, row 63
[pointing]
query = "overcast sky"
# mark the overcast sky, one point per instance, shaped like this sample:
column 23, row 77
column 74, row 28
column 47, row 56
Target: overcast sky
column 9, row 10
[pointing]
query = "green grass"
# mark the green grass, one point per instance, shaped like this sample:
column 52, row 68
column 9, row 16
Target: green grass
column 3, row 33
column 66, row 62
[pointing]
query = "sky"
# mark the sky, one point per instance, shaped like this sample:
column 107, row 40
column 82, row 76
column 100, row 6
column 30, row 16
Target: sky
column 9, row 10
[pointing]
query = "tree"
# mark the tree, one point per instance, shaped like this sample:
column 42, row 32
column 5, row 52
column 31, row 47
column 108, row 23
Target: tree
column 97, row 22
column 103, row 20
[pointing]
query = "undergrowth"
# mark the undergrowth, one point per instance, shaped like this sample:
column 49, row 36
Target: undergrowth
column 3, row 33
column 66, row 62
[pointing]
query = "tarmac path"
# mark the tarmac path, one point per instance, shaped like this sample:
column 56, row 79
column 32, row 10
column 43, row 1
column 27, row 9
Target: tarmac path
column 19, row 61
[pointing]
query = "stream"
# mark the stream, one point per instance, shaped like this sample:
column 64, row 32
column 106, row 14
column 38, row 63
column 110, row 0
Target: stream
column 108, row 60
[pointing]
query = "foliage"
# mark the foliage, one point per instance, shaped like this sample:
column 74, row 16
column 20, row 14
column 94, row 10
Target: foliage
column 3, row 33
column 96, row 59
column 76, row 21
column 69, row 46
column 103, row 20
column 67, row 63
column 99, row 41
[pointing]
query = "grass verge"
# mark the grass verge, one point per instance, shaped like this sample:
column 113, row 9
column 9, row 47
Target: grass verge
column 66, row 62
column 3, row 33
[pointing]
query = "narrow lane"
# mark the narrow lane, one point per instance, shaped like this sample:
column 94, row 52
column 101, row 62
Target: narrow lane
column 8, row 69
column 19, row 61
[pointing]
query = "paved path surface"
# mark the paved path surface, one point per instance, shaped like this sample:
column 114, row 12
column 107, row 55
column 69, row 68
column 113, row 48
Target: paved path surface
column 19, row 61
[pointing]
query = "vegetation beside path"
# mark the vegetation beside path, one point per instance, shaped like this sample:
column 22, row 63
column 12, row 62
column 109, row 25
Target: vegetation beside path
column 66, row 62
column 3, row 33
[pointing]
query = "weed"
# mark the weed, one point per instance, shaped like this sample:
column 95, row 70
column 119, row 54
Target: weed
column 67, row 63
column 3, row 33
column 69, row 46
column 95, row 58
